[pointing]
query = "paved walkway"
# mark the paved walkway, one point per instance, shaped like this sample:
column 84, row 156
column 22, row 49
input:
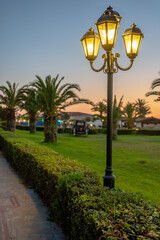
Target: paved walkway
column 22, row 214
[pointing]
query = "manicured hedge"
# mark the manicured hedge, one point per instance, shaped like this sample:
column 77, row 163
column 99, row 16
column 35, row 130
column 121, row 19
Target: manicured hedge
column 93, row 131
column 60, row 130
column 101, row 130
column 76, row 199
column 23, row 127
column 138, row 132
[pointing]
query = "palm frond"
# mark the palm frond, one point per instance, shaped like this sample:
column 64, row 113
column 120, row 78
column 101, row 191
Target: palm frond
column 66, row 87
column 155, row 83
column 53, row 96
column 59, row 81
column 152, row 93
column 77, row 101
column 12, row 96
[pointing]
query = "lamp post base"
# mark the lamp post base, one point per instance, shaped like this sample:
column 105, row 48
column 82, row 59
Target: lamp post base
column 109, row 180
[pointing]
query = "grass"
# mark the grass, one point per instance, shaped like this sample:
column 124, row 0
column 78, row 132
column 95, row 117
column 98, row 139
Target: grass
column 136, row 159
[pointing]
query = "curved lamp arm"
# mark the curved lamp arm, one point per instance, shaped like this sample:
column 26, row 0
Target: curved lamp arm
column 104, row 64
column 117, row 65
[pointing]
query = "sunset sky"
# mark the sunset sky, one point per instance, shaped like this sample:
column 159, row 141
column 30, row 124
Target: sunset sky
column 42, row 37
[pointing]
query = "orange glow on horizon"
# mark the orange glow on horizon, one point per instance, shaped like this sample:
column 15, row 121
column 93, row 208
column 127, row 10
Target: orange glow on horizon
column 85, row 108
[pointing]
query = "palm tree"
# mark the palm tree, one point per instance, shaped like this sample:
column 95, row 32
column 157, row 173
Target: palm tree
column 53, row 99
column 141, row 108
column 117, row 114
column 2, row 114
column 101, row 108
column 11, row 98
column 31, row 105
column 155, row 83
column 130, row 113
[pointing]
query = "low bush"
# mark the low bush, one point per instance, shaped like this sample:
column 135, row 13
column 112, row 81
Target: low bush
column 133, row 132
column 23, row 127
column 93, row 131
column 102, row 130
column 38, row 128
column 60, row 130
column 75, row 197
column 138, row 132
column 67, row 130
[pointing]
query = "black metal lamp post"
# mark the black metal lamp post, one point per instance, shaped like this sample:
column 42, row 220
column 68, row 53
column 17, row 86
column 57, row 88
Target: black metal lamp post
column 107, row 26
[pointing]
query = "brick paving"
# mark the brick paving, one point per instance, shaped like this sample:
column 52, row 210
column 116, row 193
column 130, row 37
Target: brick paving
column 22, row 214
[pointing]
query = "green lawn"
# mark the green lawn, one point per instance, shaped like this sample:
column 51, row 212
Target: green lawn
column 136, row 159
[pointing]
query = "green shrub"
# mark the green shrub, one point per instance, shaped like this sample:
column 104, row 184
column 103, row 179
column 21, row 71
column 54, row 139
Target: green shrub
column 126, row 132
column 3, row 125
column 23, row 127
column 60, row 130
column 75, row 197
column 138, row 132
column 93, row 212
column 133, row 132
column 102, row 130
column 93, row 131
column 68, row 130
column 38, row 128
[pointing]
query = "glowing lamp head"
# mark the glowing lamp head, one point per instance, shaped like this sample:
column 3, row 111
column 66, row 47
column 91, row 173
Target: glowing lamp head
column 132, row 40
column 91, row 44
column 107, row 26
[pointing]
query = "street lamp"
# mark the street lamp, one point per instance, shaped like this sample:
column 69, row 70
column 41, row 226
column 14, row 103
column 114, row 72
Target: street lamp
column 107, row 26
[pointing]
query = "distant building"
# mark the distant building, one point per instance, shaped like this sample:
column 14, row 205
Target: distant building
column 148, row 123
column 95, row 124
column 122, row 122
column 79, row 116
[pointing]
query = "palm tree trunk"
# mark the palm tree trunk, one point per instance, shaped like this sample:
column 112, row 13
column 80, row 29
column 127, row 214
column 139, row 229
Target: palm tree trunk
column 32, row 125
column 50, row 129
column 130, row 122
column 11, row 120
column 114, row 132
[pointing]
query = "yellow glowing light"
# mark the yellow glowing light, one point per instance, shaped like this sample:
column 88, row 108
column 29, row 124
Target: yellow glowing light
column 103, row 36
column 91, row 44
column 84, row 47
column 111, row 34
column 129, row 47
column 96, row 47
column 90, row 49
column 132, row 39
column 134, row 47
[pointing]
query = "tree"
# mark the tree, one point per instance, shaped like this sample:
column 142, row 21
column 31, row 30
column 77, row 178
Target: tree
column 130, row 112
column 88, row 119
column 11, row 98
column 117, row 114
column 65, row 117
column 155, row 83
column 31, row 105
column 101, row 108
column 142, row 108
column 53, row 99
column 2, row 114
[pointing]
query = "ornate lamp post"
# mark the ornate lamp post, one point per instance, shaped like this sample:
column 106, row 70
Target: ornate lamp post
column 107, row 26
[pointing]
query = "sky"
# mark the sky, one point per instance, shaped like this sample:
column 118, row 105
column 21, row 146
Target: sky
column 42, row 37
